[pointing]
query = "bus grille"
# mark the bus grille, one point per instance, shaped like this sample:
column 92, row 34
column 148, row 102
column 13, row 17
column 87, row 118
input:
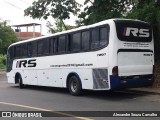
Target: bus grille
column 100, row 78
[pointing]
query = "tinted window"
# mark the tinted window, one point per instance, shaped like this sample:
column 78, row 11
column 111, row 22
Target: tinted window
column 85, row 40
column 11, row 52
column 29, row 49
column 133, row 31
column 99, row 37
column 24, row 50
column 40, row 47
column 61, row 44
column 34, row 48
column 18, row 51
column 46, row 46
column 10, row 57
column 76, row 42
column 103, row 36
column 95, row 38
column 95, row 34
column 68, row 41
column 53, row 45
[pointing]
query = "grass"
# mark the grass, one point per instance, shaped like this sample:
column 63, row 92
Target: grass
column 2, row 61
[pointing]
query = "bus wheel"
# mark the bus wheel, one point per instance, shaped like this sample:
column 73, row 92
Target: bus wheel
column 21, row 85
column 74, row 86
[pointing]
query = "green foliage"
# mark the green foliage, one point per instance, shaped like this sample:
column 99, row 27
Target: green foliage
column 146, row 11
column 2, row 61
column 55, row 8
column 103, row 9
column 7, row 37
column 58, row 26
column 58, row 9
column 99, row 10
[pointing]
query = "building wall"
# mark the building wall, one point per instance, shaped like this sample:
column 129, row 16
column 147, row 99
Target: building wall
column 27, row 35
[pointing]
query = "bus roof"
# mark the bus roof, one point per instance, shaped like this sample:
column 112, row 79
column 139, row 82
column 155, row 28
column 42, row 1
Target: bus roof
column 73, row 30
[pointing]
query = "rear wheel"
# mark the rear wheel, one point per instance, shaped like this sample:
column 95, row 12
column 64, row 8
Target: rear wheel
column 74, row 86
column 20, row 82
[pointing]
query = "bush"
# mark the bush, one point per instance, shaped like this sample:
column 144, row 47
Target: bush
column 2, row 61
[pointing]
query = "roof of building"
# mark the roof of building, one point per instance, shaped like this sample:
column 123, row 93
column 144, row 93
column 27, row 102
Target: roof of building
column 24, row 25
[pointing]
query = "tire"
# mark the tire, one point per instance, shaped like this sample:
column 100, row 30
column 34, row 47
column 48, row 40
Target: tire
column 20, row 83
column 74, row 86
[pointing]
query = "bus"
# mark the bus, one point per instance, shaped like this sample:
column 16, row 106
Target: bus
column 110, row 55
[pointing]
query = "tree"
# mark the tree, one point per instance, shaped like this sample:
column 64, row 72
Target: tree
column 57, row 28
column 147, row 10
column 58, row 9
column 7, row 37
column 99, row 10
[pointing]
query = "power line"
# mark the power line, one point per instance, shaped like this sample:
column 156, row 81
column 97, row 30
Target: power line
column 4, row 4
column 25, row 2
column 12, row 5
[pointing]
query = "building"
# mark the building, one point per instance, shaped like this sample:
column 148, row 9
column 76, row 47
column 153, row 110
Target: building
column 27, row 34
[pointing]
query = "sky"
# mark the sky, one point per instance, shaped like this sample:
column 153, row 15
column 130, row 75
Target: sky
column 13, row 12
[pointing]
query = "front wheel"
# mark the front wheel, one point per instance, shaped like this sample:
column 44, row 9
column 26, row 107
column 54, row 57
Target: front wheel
column 74, row 86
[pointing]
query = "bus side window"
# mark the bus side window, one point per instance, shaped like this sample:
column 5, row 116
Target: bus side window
column 17, row 51
column 46, row 46
column 61, row 44
column 85, row 40
column 55, row 45
column 34, row 48
column 12, row 52
column 52, row 45
column 40, row 48
column 24, row 50
column 10, row 57
column 94, row 38
column 76, row 42
column 29, row 49
column 103, row 36
column 68, row 40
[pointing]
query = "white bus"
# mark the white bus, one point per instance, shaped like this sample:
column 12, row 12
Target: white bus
column 109, row 55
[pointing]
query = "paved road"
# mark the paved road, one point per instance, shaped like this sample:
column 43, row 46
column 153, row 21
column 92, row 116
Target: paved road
column 34, row 98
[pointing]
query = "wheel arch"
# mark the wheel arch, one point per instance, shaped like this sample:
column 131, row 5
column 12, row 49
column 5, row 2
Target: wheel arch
column 17, row 76
column 70, row 75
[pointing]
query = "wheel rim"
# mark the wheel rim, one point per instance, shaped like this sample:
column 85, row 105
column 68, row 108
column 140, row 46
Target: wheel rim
column 74, row 86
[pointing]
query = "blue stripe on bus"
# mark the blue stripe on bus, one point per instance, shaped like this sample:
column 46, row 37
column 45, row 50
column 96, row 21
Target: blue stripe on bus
column 120, row 83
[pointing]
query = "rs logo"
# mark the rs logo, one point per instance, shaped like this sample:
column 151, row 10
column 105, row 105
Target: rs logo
column 136, row 32
column 26, row 63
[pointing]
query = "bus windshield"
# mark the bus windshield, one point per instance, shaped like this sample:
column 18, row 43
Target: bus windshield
column 133, row 31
